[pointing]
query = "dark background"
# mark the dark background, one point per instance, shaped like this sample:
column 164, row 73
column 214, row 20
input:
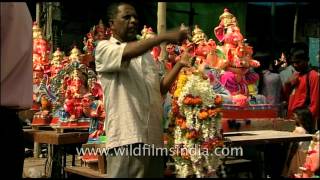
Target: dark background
column 262, row 30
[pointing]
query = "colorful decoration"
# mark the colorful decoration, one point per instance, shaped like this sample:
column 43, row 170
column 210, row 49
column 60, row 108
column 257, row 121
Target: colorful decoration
column 195, row 125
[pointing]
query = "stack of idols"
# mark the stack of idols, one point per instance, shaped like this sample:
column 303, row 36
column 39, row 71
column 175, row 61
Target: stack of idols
column 97, row 33
column 66, row 90
column 229, row 68
column 41, row 71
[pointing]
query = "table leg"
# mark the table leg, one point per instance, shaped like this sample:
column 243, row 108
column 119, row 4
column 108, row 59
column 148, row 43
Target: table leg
column 57, row 161
column 64, row 163
column 36, row 150
column 102, row 164
column 36, row 146
column 48, row 166
column 73, row 163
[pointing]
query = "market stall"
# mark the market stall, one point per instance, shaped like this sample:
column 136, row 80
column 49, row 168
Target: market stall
column 214, row 97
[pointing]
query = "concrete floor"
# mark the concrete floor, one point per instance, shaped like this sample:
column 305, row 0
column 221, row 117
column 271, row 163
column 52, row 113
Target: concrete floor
column 35, row 167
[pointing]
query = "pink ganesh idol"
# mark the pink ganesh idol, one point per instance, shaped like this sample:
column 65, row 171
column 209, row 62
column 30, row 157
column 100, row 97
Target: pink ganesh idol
column 205, row 50
column 238, row 63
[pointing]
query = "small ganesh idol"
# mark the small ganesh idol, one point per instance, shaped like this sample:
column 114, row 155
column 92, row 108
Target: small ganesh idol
column 172, row 56
column 74, row 54
column 93, row 107
column 147, row 33
column 89, row 42
column 40, row 44
column 76, row 88
column 56, row 62
column 198, row 35
column 36, row 31
column 202, row 47
column 100, row 32
column 77, row 84
column 43, row 117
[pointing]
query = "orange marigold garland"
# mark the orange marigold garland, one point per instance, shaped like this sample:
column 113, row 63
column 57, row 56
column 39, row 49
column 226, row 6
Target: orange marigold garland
column 195, row 129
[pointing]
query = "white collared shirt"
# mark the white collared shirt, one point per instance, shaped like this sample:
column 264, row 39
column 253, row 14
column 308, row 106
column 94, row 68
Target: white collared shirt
column 132, row 96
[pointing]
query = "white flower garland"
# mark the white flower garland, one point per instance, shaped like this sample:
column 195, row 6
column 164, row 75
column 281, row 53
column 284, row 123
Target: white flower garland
column 191, row 131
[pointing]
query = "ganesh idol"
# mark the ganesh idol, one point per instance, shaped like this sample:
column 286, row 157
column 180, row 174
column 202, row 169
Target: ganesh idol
column 238, row 76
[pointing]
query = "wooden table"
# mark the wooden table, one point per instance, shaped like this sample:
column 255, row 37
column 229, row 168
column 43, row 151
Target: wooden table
column 28, row 134
column 52, row 137
column 57, row 145
column 264, row 137
column 101, row 157
column 85, row 172
column 256, row 124
column 271, row 142
column 261, row 137
column 94, row 171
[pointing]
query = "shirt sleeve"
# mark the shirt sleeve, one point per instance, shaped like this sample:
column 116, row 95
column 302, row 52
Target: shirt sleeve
column 108, row 57
column 314, row 94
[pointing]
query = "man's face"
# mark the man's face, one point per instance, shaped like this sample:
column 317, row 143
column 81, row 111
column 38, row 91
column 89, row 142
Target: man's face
column 125, row 23
column 300, row 65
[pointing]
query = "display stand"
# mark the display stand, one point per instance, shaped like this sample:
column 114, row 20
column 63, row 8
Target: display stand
column 58, row 144
column 91, row 168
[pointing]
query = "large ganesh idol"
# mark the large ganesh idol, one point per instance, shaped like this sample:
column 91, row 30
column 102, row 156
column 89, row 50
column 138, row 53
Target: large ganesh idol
column 238, row 76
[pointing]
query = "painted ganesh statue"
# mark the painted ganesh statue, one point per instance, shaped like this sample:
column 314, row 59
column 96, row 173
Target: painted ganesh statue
column 238, row 76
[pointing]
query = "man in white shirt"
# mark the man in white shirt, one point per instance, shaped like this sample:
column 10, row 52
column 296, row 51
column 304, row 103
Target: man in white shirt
column 16, row 81
column 132, row 89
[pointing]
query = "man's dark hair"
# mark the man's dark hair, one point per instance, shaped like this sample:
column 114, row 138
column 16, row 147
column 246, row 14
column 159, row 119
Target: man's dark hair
column 305, row 118
column 299, row 51
column 112, row 9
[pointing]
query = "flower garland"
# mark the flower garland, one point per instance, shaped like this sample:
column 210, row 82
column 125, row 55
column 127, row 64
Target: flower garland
column 195, row 121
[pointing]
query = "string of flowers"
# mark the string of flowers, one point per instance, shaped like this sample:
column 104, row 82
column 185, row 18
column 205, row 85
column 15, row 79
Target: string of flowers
column 195, row 118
